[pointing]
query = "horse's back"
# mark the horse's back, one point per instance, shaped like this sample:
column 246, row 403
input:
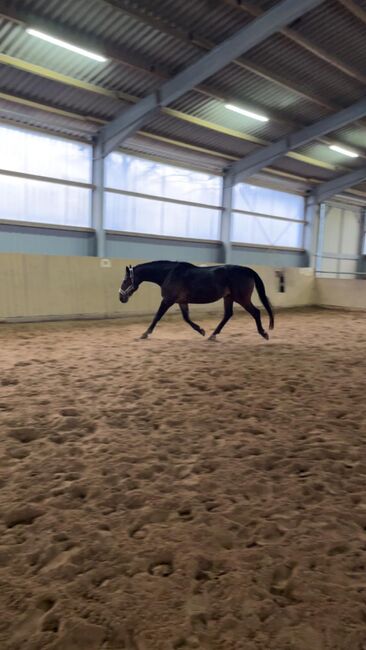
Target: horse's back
column 188, row 283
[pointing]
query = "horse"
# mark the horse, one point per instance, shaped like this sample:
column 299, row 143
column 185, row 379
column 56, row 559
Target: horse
column 183, row 283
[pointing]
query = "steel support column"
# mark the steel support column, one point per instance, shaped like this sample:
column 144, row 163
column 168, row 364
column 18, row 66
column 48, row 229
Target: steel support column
column 98, row 201
column 361, row 263
column 226, row 219
column 320, row 238
column 311, row 230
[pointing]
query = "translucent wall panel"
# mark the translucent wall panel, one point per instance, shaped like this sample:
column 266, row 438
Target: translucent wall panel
column 30, row 200
column 332, row 230
column 132, row 214
column 252, row 229
column 44, row 155
column 348, row 268
column 329, row 268
column 147, row 177
column 341, row 231
column 351, row 232
column 251, row 198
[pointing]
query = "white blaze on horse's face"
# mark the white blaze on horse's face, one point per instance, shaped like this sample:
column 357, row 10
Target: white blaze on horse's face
column 128, row 285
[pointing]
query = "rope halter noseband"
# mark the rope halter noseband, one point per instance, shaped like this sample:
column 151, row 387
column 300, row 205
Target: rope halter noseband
column 126, row 292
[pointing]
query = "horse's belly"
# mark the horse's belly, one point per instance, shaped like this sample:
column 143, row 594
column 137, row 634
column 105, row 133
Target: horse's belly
column 204, row 296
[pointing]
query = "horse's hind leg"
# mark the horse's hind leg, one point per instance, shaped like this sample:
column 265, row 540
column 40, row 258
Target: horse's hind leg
column 164, row 306
column 185, row 313
column 228, row 305
column 254, row 311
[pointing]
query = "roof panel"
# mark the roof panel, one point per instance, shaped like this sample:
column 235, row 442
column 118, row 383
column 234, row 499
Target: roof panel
column 115, row 26
column 262, row 94
column 306, row 71
column 196, row 135
column 31, row 117
column 333, row 28
column 210, row 20
column 53, row 93
column 169, row 35
column 214, row 111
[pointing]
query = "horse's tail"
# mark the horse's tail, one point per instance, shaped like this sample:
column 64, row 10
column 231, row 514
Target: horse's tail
column 259, row 285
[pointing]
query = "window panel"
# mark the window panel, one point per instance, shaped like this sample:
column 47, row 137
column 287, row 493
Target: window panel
column 44, row 155
column 251, row 229
column 148, row 177
column 31, row 200
column 135, row 214
column 253, row 199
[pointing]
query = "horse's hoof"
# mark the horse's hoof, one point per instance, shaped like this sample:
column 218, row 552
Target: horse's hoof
column 265, row 336
column 202, row 332
column 144, row 336
column 213, row 338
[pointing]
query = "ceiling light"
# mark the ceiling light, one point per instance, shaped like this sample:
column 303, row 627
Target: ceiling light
column 346, row 152
column 243, row 111
column 67, row 46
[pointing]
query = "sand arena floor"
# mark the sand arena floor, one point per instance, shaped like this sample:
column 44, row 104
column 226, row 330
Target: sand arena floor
column 174, row 494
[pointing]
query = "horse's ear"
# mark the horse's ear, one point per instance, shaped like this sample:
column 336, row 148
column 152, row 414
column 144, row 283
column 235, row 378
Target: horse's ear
column 127, row 269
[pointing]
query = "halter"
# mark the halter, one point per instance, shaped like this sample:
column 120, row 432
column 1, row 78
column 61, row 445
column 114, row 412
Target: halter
column 131, row 288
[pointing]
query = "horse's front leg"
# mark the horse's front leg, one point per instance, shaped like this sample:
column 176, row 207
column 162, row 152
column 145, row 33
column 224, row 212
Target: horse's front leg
column 185, row 313
column 164, row 306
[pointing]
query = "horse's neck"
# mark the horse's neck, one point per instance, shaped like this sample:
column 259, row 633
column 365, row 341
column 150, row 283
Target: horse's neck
column 152, row 272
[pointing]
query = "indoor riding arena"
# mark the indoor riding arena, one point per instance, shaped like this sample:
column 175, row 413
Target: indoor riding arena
column 177, row 471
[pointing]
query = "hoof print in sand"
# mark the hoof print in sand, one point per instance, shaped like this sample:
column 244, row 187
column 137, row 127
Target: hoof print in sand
column 23, row 515
column 161, row 569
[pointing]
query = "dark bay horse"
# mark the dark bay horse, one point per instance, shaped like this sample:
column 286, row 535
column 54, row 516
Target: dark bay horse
column 183, row 283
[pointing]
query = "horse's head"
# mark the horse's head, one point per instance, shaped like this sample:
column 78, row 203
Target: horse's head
column 128, row 286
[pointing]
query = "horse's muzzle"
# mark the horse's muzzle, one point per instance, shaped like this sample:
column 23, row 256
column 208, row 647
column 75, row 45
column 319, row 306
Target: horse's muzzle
column 123, row 298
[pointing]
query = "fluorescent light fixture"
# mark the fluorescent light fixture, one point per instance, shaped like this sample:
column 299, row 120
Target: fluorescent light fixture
column 64, row 44
column 243, row 111
column 346, row 152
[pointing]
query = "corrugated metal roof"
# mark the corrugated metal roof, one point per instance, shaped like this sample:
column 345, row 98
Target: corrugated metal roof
column 265, row 95
column 26, row 85
column 281, row 78
column 215, row 111
column 196, row 135
column 353, row 135
column 24, row 115
column 306, row 71
column 113, row 25
column 344, row 35
column 203, row 19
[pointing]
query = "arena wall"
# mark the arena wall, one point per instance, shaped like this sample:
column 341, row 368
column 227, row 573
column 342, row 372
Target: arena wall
column 346, row 294
column 36, row 287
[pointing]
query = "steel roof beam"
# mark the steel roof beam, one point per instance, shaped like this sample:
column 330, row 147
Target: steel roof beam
column 254, row 162
column 249, row 36
column 326, row 190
